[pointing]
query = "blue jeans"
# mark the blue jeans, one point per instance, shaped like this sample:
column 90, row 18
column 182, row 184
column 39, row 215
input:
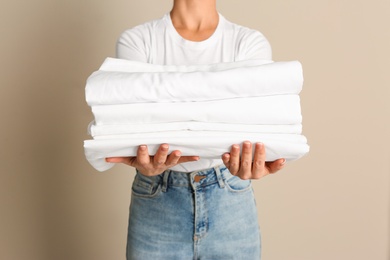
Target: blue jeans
column 209, row 214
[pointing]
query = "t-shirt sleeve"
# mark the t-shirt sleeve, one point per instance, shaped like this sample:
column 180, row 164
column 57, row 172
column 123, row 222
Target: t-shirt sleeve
column 254, row 45
column 131, row 46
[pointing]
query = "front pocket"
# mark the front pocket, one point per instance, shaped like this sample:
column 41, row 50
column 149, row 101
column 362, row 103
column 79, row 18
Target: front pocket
column 235, row 184
column 144, row 186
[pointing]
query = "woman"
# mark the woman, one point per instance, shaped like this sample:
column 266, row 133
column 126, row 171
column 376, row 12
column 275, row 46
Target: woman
column 186, row 207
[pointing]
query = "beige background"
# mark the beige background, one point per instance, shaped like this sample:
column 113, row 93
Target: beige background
column 332, row 204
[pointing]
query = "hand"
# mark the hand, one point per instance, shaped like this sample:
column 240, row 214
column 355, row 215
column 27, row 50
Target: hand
column 153, row 165
column 244, row 167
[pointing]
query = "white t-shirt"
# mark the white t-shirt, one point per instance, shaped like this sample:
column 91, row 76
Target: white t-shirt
column 158, row 42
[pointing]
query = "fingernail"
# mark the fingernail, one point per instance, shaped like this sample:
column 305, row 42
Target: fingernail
column 260, row 145
column 283, row 162
column 164, row 146
column 142, row 147
column 235, row 146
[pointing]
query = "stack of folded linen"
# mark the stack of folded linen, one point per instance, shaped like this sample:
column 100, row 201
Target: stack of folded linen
column 201, row 109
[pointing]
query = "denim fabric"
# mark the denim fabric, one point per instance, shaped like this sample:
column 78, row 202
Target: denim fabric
column 173, row 216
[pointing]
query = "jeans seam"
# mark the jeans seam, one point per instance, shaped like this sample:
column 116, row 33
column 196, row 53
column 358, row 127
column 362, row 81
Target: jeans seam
column 238, row 190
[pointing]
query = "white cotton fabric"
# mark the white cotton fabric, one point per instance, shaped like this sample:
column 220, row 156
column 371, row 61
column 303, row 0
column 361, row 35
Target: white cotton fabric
column 121, row 65
column 281, row 109
column 113, row 131
column 158, row 42
column 198, row 109
column 202, row 143
column 157, row 83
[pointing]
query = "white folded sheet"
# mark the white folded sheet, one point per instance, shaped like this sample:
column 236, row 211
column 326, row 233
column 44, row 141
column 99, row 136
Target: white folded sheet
column 200, row 110
column 205, row 144
column 115, row 131
column 280, row 109
column 225, row 81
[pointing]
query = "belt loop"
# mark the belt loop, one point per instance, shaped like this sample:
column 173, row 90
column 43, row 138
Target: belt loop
column 165, row 181
column 219, row 177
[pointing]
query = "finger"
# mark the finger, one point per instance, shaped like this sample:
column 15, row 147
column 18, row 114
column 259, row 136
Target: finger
column 143, row 157
column 234, row 159
column 275, row 165
column 173, row 158
column 258, row 170
column 246, row 161
column 226, row 159
column 117, row 159
column 126, row 160
column 161, row 156
column 188, row 159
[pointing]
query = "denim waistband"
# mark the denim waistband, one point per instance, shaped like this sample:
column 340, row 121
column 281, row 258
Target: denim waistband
column 209, row 176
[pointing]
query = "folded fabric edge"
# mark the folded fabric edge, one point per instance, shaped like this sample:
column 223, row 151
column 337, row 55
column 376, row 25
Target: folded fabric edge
column 93, row 100
column 122, row 65
column 97, row 158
